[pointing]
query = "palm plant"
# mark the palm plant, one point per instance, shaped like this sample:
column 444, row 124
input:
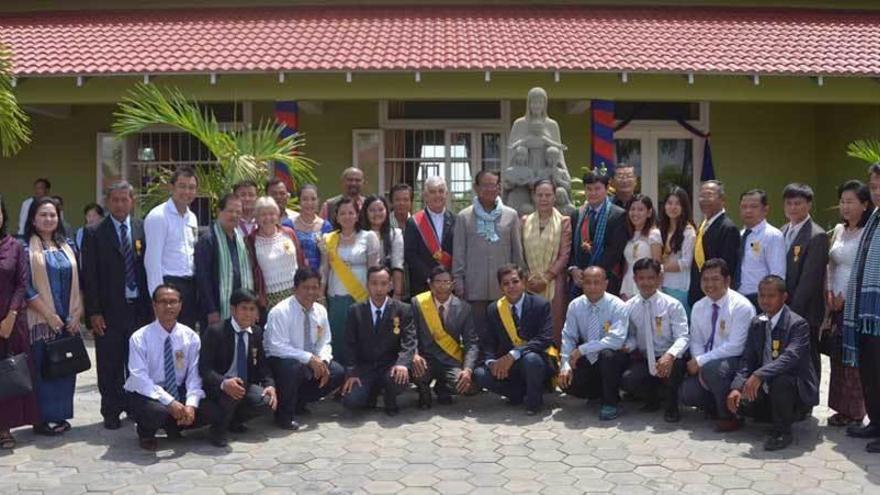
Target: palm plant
column 241, row 154
column 14, row 129
column 865, row 149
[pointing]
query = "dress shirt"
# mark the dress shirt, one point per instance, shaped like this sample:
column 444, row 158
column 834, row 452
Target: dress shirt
column 437, row 222
column 792, row 232
column 674, row 335
column 764, row 255
column 233, row 369
column 146, row 363
column 23, row 214
column 714, row 217
column 373, row 310
column 735, row 314
column 247, row 226
column 171, row 243
column 517, row 308
column 284, row 335
column 129, row 294
column 607, row 332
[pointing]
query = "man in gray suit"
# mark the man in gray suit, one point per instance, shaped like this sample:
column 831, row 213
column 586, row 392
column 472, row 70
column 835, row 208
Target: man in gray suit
column 487, row 237
column 447, row 341
column 806, row 245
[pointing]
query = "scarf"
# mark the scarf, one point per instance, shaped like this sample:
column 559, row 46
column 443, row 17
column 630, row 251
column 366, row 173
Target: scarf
column 224, row 267
column 541, row 247
column 40, row 279
column 861, row 312
column 486, row 220
column 582, row 233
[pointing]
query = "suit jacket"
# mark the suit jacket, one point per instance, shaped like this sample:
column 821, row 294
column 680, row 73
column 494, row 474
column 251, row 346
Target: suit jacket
column 475, row 261
column 370, row 347
column 103, row 272
column 207, row 273
column 793, row 332
column 805, row 273
column 459, row 324
column 419, row 260
column 535, row 329
column 218, row 351
column 616, row 237
column 721, row 240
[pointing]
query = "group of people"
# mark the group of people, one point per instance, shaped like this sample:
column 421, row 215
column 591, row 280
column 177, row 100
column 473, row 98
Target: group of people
column 269, row 309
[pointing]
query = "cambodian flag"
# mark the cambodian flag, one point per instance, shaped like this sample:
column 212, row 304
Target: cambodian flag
column 602, row 114
column 287, row 114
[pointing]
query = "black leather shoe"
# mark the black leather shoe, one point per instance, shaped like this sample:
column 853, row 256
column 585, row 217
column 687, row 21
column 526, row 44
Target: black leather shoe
column 217, row 438
column 173, row 434
column 237, row 428
column 531, row 412
column 112, row 423
column 778, row 441
column 392, row 410
column 303, row 411
column 672, row 415
column 150, row 444
column 873, row 447
column 651, row 406
column 291, row 425
column 858, row 431
column 444, row 400
column 425, row 398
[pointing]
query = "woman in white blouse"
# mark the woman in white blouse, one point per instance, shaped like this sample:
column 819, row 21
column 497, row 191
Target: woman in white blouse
column 679, row 236
column 275, row 254
column 374, row 217
column 845, row 390
column 346, row 254
column 644, row 242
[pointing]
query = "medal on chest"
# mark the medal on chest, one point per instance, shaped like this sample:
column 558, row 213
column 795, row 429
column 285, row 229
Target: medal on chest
column 775, row 349
column 178, row 359
column 320, row 329
column 722, row 326
column 606, row 326
column 254, row 355
column 396, row 322
column 658, row 325
column 138, row 246
column 756, row 247
column 797, row 253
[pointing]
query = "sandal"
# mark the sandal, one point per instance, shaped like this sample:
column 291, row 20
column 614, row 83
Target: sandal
column 7, row 441
column 46, row 430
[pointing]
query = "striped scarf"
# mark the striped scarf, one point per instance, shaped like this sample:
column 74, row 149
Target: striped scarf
column 598, row 243
column 224, row 267
column 861, row 312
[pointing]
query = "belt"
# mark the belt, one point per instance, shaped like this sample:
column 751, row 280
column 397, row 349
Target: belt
column 131, row 301
column 175, row 277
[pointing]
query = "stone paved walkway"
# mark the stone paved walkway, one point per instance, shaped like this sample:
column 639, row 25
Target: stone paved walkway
column 476, row 446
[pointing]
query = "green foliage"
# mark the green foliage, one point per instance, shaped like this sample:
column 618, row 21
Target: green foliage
column 241, row 154
column 865, row 149
column 15, row 131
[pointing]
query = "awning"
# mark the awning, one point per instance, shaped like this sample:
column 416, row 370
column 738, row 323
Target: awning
column 436, row 38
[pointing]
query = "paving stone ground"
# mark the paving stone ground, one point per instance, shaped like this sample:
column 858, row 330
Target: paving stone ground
column 478, row 445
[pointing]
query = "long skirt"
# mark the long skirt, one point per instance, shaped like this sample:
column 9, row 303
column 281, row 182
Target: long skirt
column 845, row 389
column 55, row 397
column 19, row 411
column 337, row 312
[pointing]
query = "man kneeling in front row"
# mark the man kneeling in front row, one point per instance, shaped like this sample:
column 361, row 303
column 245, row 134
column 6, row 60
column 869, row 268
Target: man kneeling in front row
column 776, row 379
column 164, row 387
column 236, row 377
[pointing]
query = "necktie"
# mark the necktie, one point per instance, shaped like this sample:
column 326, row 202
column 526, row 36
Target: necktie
column 711, row 342
column 699, row 253
column 742, row 253
column 442, row 311
column 515, row 316
column 378, row 318
column 308, row 344
column 594, row 330
column 649, row 337
column 241, row 358
column 170, row 384
column 127, row 258
column 768, row 341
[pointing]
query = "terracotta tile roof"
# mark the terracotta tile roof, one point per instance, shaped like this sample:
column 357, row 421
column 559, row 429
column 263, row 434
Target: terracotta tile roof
column 508, row 38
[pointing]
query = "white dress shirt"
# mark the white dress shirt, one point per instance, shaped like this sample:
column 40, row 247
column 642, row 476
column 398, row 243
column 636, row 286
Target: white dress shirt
column 661, row 318
column 374, row 308
column 735, row 314
column 146, row 363
column 792, row 232
column 232, row 372
column 285, row 332
column 681, row 280
column 171, row 243
column 764, row 255
column 592, row 328
column 437, row 222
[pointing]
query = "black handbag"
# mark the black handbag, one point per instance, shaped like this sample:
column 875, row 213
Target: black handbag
column 15, row 375
column 65, row 356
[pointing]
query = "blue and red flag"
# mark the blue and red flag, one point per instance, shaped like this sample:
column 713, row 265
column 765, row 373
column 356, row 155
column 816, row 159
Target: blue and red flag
column 287, row 114
column 602, row 127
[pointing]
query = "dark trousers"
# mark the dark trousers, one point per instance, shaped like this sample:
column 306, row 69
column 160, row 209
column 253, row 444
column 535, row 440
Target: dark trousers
column 444, row 377
column 782, row 405
column 374, row 380
column 527, row 380
column 297, row 386
column 600, row 379
column 151, row 416
column 480, row 312
column 189, row 310
column 711, row 397
column 223, row 410
column 111, row 354
column 815, row 355
column 869, row 372
column 638, row 381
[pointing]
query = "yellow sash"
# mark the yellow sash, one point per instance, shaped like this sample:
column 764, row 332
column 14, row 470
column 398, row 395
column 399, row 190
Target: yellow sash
column 343, row 272
column 432, row 319
column 507, row 320
column 699, row 252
